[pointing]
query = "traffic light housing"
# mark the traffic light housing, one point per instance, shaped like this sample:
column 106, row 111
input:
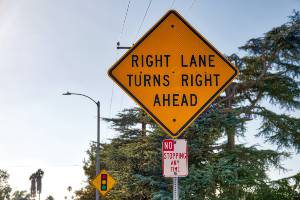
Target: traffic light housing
column 103, row 182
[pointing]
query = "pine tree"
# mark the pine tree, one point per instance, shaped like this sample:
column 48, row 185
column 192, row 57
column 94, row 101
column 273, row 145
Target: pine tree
column 218, row 170
column 269, row 72
column 286, row 188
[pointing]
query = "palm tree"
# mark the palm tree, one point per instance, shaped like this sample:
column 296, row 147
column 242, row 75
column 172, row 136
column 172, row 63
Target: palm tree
column 69, row 188
column 39, row 176
column 32, row 178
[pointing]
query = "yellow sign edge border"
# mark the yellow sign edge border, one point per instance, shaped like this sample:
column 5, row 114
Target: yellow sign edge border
column 92, row 182
column 202, row 108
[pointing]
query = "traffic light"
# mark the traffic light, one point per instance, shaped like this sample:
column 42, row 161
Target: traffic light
column 103, row 182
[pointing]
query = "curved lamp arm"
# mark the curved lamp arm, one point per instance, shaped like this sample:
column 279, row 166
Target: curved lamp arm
column 71, row 93
column 98, row 133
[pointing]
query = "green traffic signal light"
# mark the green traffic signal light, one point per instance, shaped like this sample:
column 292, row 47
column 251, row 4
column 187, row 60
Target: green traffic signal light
column 103, row 187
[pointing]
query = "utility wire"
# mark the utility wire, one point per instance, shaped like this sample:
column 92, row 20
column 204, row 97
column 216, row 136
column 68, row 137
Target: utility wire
column 117, row 53
column 143, row 20
column 124, row 21
column 121, row 103
column 173, row 2
column 122, row 95
column 120, row 38
column 194, row 1
column 111, row 99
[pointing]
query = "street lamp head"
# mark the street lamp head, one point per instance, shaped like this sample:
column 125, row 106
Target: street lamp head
column 67, row 93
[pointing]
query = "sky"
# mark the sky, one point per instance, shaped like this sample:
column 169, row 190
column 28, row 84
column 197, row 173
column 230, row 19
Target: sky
column 48, row 47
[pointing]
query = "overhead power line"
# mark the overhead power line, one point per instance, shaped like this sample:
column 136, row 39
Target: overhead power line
column 111, row 99
column 124, row 20
column 173, row 2
column 191, row 6
column 143, row 20
column 118, row 43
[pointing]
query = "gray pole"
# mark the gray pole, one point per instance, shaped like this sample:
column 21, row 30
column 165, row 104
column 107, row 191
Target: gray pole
column 98, row 134
column 175, row 189
column 98, row 146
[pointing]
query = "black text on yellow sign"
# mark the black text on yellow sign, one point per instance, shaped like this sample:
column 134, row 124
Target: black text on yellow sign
column 173, row 73
column 186, row 79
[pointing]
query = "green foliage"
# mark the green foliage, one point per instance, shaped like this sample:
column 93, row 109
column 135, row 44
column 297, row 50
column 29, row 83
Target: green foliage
column 270, row 72
column 217, row 170
column 4, row 187
column 20, row 195
column 50, row 198
column 283, row 189
column 88, row 193
column 280, row 129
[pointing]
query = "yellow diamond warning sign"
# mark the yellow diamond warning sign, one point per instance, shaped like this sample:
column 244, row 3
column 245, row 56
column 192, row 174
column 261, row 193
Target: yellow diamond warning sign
column 173, row 73
column 103, row 182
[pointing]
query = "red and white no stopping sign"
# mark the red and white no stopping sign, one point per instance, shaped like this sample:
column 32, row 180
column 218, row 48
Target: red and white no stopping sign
column 174, row 158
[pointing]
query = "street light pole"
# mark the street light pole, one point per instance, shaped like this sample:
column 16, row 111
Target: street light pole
column 98, row 146
column 98, row 134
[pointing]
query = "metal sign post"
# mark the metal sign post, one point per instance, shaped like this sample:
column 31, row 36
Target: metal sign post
column 175, row 161
column 174, row 74
column 175, row 188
